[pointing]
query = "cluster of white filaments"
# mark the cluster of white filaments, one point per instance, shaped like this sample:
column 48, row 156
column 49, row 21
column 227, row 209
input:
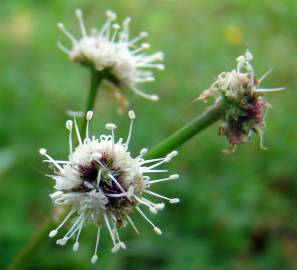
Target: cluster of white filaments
column 102, row 184
column 234, row 84
column 111, row 49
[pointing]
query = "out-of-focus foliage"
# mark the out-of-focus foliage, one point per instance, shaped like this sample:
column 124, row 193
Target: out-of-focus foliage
column 236, row 212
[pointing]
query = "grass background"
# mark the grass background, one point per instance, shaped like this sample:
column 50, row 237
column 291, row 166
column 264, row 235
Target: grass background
column 236, row 212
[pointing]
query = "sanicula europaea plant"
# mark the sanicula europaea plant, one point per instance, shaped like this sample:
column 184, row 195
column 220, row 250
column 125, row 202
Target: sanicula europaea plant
column 101, row 182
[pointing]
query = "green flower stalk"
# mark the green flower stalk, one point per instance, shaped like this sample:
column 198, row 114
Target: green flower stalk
column 245, row 104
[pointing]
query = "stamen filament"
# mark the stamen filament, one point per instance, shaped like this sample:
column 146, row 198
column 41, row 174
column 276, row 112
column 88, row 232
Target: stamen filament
column 77, row 131
column 95, row 256
column 109, row 228
column 156, row 229
column 132, row 224
column 55, row 231
column 173, row 200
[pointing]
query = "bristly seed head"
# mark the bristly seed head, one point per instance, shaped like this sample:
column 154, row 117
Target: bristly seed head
column 246, row 106
column 103, row 185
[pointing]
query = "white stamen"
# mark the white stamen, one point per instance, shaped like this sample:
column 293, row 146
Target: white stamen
column 63, row 48
column 166, row 159
column 160, row 206
column 75, row 227
column 156, row 229
column 110, row 126
column 269, row 90
column 132, row 117
column 144, row 95
column 95, row 257
column 157, row 206
column 116, row 28
column 42, row 151
column 53, row 233
column 123, row 245
column 151, row 160
column 143, row 151
column 148, row 170
column 263, row 77
column 111, row 15
column 171, row 177
column 109, row 228
column 132, row 224
column 137, row 38
column 116, row 182
column 76, row 246
column 89, row 116
column 69, row 125
column 67, row 33
column 79, row 16
column 174, row 200
column 152, row 209
column 77, row 131
column 116, row 248
column 62, row 242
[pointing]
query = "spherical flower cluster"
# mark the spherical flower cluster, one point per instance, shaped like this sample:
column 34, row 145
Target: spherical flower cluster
column 103, row 184
column 111, row 51
column 246, row 106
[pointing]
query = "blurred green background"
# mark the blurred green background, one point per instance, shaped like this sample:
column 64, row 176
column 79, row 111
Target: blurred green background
column 236, row 212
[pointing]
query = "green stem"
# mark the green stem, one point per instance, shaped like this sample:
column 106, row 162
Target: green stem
column 27, row 253
column 96, row 79
column 200, row 123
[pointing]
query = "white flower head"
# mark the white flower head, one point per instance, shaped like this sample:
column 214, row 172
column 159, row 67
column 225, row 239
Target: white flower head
column 111, row 50
column 103, row 184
